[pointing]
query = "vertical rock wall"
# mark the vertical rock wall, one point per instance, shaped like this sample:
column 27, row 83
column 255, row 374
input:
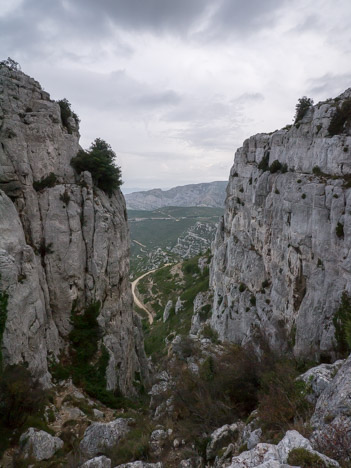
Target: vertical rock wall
column 281, row 258
column 63, row 244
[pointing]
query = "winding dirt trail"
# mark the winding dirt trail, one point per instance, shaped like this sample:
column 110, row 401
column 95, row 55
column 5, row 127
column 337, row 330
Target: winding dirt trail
column 135, row 297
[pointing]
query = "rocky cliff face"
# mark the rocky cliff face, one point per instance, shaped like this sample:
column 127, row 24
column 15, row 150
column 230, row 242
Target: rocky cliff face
column 210, row 194
column 282, row 255
column 63, row 244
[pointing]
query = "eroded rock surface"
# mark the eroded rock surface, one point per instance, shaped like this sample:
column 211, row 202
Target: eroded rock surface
column 39, row 444
column 60, row 245
column 282, row 254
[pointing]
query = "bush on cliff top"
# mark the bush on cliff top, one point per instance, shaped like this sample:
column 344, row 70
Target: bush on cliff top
column 302, row 107
column 99, row 161
column 340, row 119
column 66, row 114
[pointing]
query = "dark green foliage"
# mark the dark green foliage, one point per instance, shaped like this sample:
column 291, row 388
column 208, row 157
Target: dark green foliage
column 264, row 163
column 45, row 182
column 210, row 333
column 317, row 171
column 66, row 114
column 22, row 403
column 339, row 230
column 242, row 287
column 303, row 196
column 3, row 316
column 275, row 167
column 341, row 119
column 253, row 300
column 85, row 370
column 342, row 324
column 11, row 64
column 44, row 249
column 302, row 107
column 65, row 198
column 99, row 161
column 265, row 284
column 191, row 266
column 305, row 459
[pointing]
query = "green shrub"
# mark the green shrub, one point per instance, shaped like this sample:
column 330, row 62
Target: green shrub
column 317, row 171
column 210, row 333
column 303, row 196
column 340, row 119
column 305, row 459
column 65, row 198
column 275, row 167
column 302, row 107
column 3, row 317
column 339, row 230
column 242, row 287
column 253, row 300
column 264, row 163
column 66, row 114
column 22, row 401
column 342, row 324
column 99, row 161
column 45, row 182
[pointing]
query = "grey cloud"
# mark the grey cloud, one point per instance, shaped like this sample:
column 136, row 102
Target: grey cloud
column 329, row 85
column 157, row 99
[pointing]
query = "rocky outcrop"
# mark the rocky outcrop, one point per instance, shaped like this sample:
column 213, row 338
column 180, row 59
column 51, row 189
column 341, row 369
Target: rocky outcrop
column 207, row 194
column 63, row 241
column 100, row 437
column 39, row 444
column 97, row 462
column 282, row 254
column 276, row 456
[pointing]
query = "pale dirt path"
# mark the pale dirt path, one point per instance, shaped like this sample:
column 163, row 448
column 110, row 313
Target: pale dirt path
column 135, row 297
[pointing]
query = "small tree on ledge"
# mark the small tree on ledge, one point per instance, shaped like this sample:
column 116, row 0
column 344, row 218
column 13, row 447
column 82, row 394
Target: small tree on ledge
column 302, row 107
column 99, row 161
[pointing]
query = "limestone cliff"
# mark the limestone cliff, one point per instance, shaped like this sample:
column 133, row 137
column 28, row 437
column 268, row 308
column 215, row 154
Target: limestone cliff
column 282, row 255
column 62, row 243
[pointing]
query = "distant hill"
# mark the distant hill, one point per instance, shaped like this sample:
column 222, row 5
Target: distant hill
column 210, row 194
column 170, row 234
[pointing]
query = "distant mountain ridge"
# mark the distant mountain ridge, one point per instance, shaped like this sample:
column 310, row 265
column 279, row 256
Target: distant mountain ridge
column 211, row 194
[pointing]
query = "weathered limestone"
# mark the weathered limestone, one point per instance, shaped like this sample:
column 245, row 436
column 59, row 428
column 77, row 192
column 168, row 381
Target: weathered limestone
column 276, row 456
column 64, row 244
column 39, row 444
column 279, row 267
column 97, row 462
column 99, row 437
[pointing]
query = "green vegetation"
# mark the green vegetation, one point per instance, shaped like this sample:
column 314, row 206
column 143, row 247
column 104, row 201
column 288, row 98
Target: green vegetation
column 341, row 118
column 135, row 445
column 302, row 107
column 21, row 406
column 264, row 163
column 317, row 171
column 305, row 459
column 99, row 161
column 45, row 182
column 65, row 198
column 169, row 285
column 342, row 324
column 161, row 229
column 209, row 333
column 3, row 316
column 231, row 385
column 87, row 362
column 339, row 230
column 66, row 114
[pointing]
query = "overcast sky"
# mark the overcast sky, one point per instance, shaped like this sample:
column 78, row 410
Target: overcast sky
column 175, row 86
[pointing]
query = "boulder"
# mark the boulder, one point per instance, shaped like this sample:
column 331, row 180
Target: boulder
column 276, row 456
column 39, row 444
column 97, row 462
column 318, row 378
column 220, row 438
column 99, row 437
